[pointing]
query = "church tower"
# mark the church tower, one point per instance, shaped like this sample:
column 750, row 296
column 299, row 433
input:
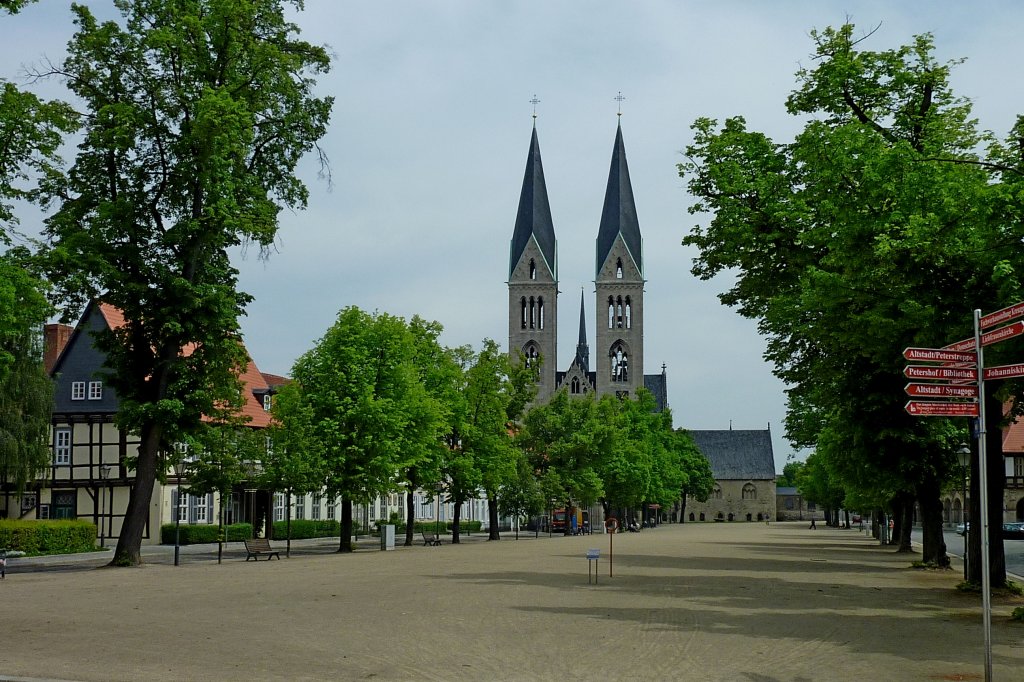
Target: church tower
column 619, row 359
column 533, row 277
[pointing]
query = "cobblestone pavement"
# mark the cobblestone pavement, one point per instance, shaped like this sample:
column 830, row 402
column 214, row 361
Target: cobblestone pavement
column 717, row 601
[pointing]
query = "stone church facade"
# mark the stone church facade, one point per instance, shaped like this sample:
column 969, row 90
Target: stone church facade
column 618, row 286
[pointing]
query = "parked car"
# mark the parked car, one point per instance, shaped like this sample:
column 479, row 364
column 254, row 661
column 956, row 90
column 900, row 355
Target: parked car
column 1013, row 530
column 962, row 529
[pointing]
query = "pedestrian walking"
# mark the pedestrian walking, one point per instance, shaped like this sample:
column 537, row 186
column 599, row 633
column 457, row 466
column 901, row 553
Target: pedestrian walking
column 813, row 525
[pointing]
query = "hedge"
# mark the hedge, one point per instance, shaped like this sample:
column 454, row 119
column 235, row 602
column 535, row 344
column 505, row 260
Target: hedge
column 193, row 534
column 35, row 538
column 429, row 526
column 303, row 529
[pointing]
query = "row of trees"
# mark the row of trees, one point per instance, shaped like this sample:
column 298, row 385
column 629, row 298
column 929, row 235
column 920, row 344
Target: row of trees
column 379, row 405
column 886, row 220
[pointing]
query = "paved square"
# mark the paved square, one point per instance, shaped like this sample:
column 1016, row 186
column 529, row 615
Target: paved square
column 717, row 601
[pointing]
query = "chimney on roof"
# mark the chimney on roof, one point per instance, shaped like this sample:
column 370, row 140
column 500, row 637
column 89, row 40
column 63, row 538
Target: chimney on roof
column 55, row 337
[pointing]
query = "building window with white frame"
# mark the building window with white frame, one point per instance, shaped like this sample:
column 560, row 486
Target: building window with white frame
column 268, row 402
column 95, row 390
column 331, row 507
column 181, row 502
column 78, row 390
column 62, row 446
column 300, row 506
column 279, row 506
column 314, row 512
column 199, row 507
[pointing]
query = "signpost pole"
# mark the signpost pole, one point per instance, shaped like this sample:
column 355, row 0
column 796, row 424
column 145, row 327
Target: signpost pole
column 986, row 579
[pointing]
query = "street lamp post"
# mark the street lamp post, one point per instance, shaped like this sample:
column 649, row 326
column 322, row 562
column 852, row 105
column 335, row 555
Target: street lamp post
column 104, row 475
column 964, row 457
column 438, row 489
column 179, row 471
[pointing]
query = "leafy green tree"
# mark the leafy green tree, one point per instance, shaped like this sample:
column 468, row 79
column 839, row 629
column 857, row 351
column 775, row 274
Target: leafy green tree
column 425, row 444
column 361, row 408
column 790, row 472
column 195, row 116
column 699, row 481
column 496, row 391
column 26, row 391
column 574, row 437
column 878, row 227
column 222, row 454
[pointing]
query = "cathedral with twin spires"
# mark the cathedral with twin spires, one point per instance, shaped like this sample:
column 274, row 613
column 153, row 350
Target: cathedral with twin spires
column 618, row 367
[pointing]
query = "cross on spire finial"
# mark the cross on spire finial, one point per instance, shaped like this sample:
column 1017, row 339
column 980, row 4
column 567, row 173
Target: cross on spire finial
column 619, row 98
column 535, row 102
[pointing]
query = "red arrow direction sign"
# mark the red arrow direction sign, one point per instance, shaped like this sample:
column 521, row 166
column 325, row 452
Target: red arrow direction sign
column 941, row 391
column 938, row 355
column 923, row 408
column 941, row 373
column 1004, row 372
column 1001, row 334
column 988, row 338
column 1004, row 315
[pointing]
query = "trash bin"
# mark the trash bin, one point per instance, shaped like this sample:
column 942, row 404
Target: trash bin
column 387, row 537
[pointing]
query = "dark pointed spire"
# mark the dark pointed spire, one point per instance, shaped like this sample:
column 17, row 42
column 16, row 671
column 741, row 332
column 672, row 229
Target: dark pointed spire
column 582, row 349
column 619, row 214
column 534, row 216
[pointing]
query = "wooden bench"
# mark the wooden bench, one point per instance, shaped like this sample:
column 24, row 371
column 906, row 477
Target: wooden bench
column 431, row 539
column 257, row 546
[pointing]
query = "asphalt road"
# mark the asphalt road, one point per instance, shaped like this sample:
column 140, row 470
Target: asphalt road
column 955, row 547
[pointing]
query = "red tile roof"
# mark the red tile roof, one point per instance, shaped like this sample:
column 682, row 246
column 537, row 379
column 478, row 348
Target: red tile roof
column 1013, row 438
column 252, row 379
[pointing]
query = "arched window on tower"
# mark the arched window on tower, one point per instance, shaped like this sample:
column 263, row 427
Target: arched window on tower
column 611, row 312
column 533, row 312
column 618, row 312
column 619, row 363
column 540, row 312
column 530, row 355
column 522, row 311
column 618, row 268
column 575, row 386
column 533, row 269
column 629, row 313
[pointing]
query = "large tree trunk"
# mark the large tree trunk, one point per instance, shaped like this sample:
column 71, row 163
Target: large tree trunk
column 129, row 543
column 492, row 518
column 933, row 543
column 682, row 509
column 996, row 484
column 456, row 518
column 902, row 515
column 410, row 516
column 345, row 541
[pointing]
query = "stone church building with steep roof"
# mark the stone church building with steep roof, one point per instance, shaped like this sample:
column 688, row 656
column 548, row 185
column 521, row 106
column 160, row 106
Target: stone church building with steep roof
column 618, row 367
column 743, row 467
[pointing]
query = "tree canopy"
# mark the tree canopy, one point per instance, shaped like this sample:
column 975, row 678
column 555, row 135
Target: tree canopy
column 880, row 226
column 195, row 116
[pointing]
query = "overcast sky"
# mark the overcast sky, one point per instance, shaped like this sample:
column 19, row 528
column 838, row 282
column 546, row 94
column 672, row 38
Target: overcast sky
column 428, row 145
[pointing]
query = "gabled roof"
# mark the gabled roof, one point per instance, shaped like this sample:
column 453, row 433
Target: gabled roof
column 253, row 381
column 619, row 213
column 534, row 216
column 737, row 455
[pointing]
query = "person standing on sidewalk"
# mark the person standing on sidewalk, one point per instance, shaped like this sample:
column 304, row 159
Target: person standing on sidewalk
column 813, row 525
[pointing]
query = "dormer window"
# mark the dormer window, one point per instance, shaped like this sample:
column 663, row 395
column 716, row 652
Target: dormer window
column 268, row 401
